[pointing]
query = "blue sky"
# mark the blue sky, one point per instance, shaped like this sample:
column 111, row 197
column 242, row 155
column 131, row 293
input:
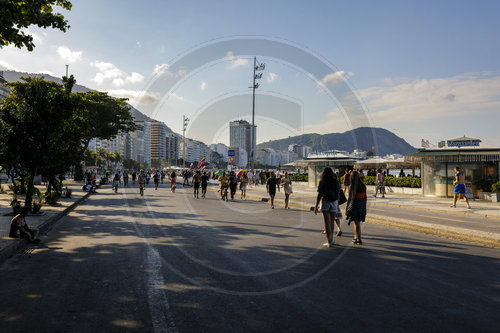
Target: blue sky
column 426, row 69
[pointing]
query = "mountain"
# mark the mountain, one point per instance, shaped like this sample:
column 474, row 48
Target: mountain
column 12, row 76
column 362, row 138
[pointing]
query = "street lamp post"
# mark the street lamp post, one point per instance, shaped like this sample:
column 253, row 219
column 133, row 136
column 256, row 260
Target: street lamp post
column 256, row 67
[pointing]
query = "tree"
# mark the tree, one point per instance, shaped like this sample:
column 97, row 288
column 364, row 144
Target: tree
column 102, row 117
column 17, row 15
column 131, row 164
column 38, row 129
column 45, row 128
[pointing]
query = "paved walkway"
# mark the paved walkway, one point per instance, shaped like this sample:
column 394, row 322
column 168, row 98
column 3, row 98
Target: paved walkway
column 48, row 214
column 480, row 225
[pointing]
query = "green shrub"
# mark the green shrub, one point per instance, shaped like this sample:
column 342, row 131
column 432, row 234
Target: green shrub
column 16, row 205
column 68, row 192
column 51, row 198
column 303, row 177
column 496, row 187
column 485, row 185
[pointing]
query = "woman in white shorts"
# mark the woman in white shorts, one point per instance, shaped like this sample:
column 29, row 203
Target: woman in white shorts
column 328, row 194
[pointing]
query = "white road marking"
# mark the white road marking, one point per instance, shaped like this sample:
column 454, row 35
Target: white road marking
column 159, row 307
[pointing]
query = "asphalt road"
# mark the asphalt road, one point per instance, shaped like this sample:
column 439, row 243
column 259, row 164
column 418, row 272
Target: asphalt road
column 171, row 263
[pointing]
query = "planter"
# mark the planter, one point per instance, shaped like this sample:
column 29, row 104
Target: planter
column 491, row 196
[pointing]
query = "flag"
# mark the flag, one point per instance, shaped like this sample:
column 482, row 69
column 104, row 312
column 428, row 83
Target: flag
column 202, row 162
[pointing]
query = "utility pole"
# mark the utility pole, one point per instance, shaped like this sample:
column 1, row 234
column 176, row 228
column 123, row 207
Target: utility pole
column 255, row 76
column 67, row 66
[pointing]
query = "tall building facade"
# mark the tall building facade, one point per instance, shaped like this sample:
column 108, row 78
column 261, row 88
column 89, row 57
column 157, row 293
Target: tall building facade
column 172, row 144
column 221, row 149
column 141, row 143
column 300, row 150
column 240, row 135
column 158, row 142
column 194, row 150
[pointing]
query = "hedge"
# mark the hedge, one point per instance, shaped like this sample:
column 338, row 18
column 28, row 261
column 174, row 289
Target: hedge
column 414, row 182
column 303, row 177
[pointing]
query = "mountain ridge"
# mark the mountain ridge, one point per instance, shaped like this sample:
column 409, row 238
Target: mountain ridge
column 378, row 140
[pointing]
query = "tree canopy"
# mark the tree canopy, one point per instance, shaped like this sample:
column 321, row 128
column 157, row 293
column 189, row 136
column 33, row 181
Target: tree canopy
column 17, row 15
column 45, row 128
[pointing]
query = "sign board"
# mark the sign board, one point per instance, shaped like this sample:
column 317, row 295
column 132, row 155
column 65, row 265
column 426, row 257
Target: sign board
column 230, row 152
column 468, row 190
column 231, row 159
column 470, row 143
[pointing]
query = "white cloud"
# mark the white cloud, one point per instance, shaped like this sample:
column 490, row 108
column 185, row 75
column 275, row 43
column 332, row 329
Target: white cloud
column 271, row 77
column 108, row 71
column 135, row 96
column 236, row 61
column 203, row 85
column 336, row 77
column 163, row 70
column 138, row 44
column 6, row 66
column 70, row 56
column 46, row 71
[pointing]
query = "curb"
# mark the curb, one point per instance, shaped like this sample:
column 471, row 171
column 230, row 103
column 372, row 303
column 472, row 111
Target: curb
column 435, row 210
column 461, row 234
column 17, row 243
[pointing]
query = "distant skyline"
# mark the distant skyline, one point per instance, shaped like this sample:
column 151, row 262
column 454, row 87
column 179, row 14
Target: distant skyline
column 423, row 70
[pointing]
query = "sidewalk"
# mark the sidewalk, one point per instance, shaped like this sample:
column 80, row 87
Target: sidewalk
column 50, row 214
column 480, row 225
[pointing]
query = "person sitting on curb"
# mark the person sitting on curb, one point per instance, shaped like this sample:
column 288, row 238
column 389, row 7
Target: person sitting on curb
column 19, row 223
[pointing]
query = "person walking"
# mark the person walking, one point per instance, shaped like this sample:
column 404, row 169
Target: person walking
column 134, row 176
column 243, row 185
column 328, row 194
column 116, row 182
column 459, row 190
column 173, row 181
column 142, row 182
column 347, row 181
column 204, row 184
column 186, row 178
column 356, row 206
column 125, row 178
column 148, row 177
column 271, row 185
column 233, row 184
column 156, row 178
column 286, row 182
column 196, row 183
column 162, row 175
column 224, row 184
column 380, row 183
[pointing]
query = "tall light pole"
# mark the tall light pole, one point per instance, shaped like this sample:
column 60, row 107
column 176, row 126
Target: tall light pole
column 256, row 67
column 185, row 121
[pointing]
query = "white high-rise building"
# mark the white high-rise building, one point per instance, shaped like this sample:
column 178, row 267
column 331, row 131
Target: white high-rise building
column 240, row 135
column 269, row 157
column 221, row 149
